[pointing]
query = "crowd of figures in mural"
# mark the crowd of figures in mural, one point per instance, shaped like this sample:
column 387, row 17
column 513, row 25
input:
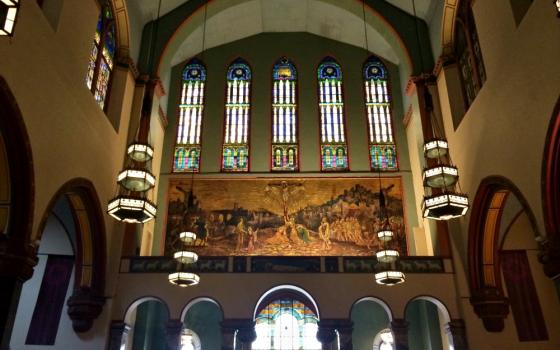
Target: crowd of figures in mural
column 285, row 217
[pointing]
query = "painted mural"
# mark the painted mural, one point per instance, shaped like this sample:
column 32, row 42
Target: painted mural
column 284, row 216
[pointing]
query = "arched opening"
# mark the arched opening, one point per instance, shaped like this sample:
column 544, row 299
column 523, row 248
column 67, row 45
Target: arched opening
column 427, row 319
column 201, row 325
column 67, row 288
column 17, row 254
column 145, row 321
column 286, row 317
column 371, row 318
column 503, row 263
column 551, row 198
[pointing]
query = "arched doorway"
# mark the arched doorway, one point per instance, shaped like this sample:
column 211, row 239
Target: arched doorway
column 551, row 198
column 146, row 322
column 17, row 254
column 372, row 319
column 70, row 275
column 427, row 320
column 504, row 271
column 201, row 325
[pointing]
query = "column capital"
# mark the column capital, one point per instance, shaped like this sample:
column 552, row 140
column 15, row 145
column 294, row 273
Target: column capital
column 245, row 329
column 18, row 263
column 399, row 328
column 118, row 332
column 456, row 331
column 84, row 306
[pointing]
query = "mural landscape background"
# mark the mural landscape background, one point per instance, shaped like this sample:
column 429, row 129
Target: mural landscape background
column 284, row 217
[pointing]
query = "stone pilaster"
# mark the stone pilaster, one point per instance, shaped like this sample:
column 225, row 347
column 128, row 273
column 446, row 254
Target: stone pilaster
column 245, row 329
column 173, row 331
column 326, row 333
column 118, row 335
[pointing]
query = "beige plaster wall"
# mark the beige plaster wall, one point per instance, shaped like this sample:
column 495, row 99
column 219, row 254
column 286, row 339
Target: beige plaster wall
column 71, row 137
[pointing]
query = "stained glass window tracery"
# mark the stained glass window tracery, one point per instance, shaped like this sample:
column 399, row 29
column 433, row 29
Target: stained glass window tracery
column 284, row 114
column 334, row 151
column 286, row 324
column 469, row 54
column 382, row 149
column 191, row 108
column 101, row 58
column 235, row 151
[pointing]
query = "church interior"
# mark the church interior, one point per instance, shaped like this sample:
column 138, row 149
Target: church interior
column 279, row 174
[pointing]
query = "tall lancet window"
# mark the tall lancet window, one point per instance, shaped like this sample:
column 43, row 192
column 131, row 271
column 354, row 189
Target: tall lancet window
column 334, row 152
column 191, row 107
column 101, row 57
column 235, row 152
column 284, row 114
column 382, row 150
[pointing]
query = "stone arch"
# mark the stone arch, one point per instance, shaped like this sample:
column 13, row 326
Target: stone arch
column 131, row 308
column 286, row 290
column 378, row 301
column 446, row 327
column 87, row 300
column 551, row 196
column 192, row 302
column 17, row 199
column 120, row 13
column 450, row 9
column 487, row 294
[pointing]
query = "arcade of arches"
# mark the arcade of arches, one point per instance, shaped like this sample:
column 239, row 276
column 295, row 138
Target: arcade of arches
column 286, row 133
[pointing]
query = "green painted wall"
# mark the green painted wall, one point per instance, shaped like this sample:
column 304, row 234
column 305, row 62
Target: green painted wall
column 369, row 319
column 149, row 326
column 306, row 51
column 204, row 319
column 423, row 328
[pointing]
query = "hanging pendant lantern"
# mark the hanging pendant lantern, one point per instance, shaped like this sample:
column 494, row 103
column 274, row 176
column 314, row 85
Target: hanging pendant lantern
column 185, row 257
column 183, row 279
column 435, row 148
column 187, row 237
column 8, row 15
column 385, row 235
column 140, row 152
column 440, row 176
column 445, row 206
column 389, row 277
column 132, row 209
column 387, row 255
column 137, row 180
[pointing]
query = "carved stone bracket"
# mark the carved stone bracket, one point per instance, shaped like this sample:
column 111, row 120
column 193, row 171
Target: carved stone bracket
column 549, row 256
column 456, row 331
column 491, row 306
column 84, row 306
column 399, row 327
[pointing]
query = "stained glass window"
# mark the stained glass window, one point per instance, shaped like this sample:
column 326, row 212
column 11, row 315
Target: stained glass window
column 382, row 150
column 334, row 151
column 286, row 324
column 191, row 106
column 235, row 151
column 284, row 115
column 101, row 57
column 467, row 49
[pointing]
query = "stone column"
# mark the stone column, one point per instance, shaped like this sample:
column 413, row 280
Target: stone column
column 118, row 335
column 246, row 335
column 399, row 327
column 345, row 328
column 173, row 332
column 16, row 267
column 245, row 330
column 326, row 333
column 456, row 332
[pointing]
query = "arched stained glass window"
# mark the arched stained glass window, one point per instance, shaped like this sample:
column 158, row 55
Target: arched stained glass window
column 286, row 324
column 284, row 114
column 187, row 148
column 334, row 151
column 235, row 152
column 382, row 150
column 469, row 55
column 101, row 58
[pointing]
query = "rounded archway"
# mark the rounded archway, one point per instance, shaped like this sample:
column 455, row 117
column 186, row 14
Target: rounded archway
column 503, row 248
column 371, row 319
column 286, row 317
column 145, row 324
column 17, row 253
column 202, row 319
column 427, row 319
